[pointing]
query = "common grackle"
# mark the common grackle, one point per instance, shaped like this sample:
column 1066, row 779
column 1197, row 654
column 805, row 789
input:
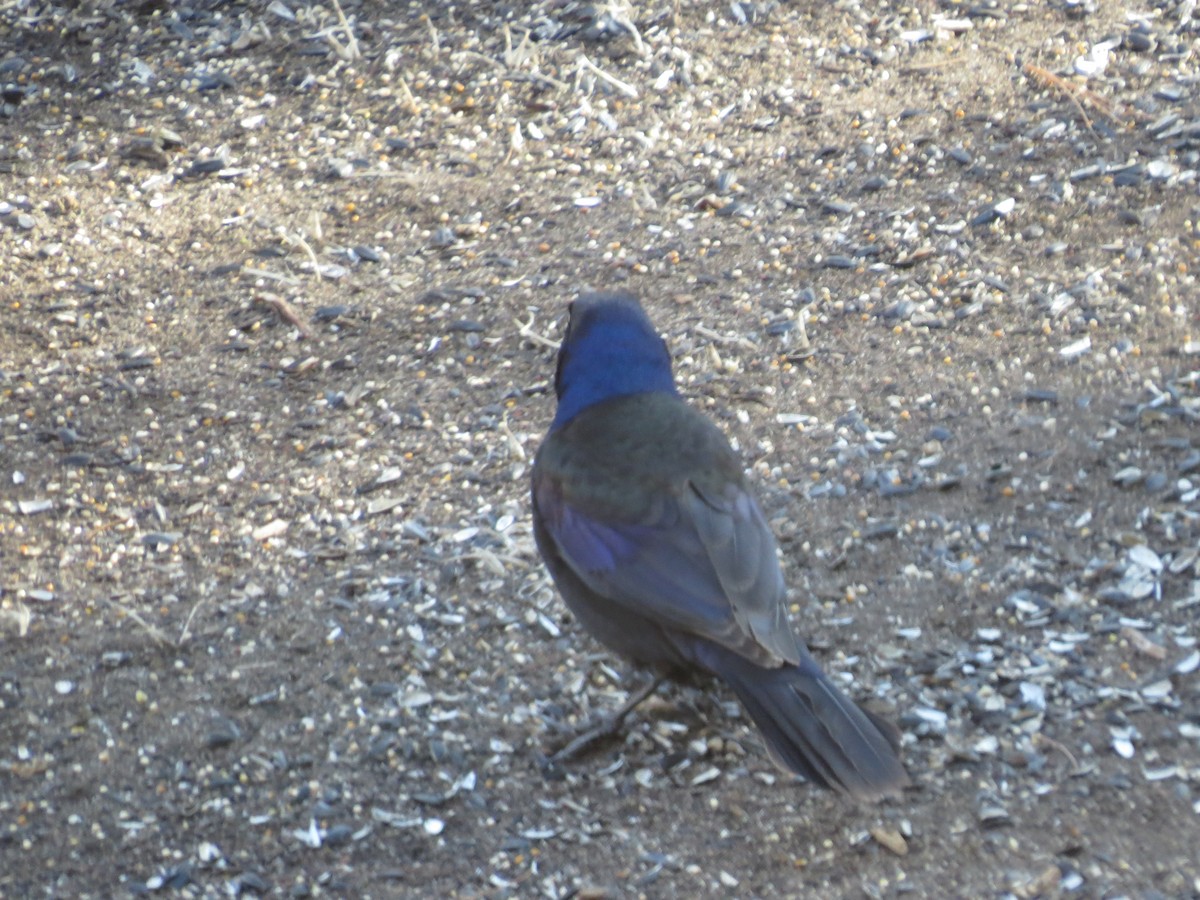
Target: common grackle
column 645, row 520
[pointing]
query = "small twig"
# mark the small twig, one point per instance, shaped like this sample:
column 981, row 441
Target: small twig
column 516, row 143
column 930, row 66
column 541, row 79
column 472, row 54
column 513, row 282
column 494, row 560
column 508, row 43
column 20, row 616
column 514, row 58
column 407, row 177
column 270, row 276
column 608, row 726
column 409, row 99
column 622, row 87
column 284, row 310
column 718, row 338
column 340, row 51
column 1075, row 93
column 1049, row 741
column 618, row 15
column 299, row 241
column 152, row 630
column 433, row 36
column 352, row 51
column 187, row 626
column 526, row 331
column 517, row 449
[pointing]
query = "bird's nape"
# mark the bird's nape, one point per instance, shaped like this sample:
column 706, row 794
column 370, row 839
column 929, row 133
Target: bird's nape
column 610, row 349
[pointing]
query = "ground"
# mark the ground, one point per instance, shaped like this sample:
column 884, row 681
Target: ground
column 279, row 296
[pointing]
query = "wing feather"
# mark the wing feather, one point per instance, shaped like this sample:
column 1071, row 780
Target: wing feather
column 705, row 568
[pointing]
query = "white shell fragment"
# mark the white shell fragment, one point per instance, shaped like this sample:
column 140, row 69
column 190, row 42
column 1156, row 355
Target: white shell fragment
column 1076, row 348
column 433, row 827
column 272, row 529
column 1142, row 555
column 1096, row 60
column 1122, row 742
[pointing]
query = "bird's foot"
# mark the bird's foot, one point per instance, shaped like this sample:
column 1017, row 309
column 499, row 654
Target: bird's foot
column 606, row 728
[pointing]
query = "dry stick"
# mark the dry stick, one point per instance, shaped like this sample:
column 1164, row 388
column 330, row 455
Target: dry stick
column 299, row 241
column 351, row 40
column 152, row 630
column 1050, row 742
column 513, row 443
column 540, row 78
column 526, row 331
column 187, row 626
column 433, row 36
column 608, row 726
column 494, row 560
column 718, row 338
column 513, row 282
column 20, row 616
column 515, row 144
column 341, row 52
column 622, row 87
column 930, row 66
column 409, row 99
column 618, row 16
column 509, row 58
column 284, row 310
column 514, row 58
column 1075, row 93
column 472, row 54
column 271, row 276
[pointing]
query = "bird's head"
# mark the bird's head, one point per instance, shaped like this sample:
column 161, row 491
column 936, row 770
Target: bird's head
column 610, row 350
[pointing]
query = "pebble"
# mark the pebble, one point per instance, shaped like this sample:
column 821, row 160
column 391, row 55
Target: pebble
column 999, row 210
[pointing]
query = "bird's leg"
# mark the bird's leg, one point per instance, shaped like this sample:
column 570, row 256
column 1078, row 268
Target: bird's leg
column 609, row 726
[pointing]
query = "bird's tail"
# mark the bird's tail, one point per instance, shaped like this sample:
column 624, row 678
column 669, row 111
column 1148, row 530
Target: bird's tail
column 813, row 729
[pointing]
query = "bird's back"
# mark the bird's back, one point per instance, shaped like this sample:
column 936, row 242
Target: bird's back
column 618, row 457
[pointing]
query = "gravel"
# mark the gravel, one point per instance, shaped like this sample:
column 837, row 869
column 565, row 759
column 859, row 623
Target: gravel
column 280, row 286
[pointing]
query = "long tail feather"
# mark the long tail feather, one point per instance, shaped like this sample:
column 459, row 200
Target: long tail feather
column 814, row 730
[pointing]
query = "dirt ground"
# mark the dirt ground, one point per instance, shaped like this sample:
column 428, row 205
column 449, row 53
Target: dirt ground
column 279, row 295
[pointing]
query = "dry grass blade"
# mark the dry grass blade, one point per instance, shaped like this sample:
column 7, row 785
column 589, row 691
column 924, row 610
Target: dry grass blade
column 1077, row 94
column 284, row 310
column 153, row 630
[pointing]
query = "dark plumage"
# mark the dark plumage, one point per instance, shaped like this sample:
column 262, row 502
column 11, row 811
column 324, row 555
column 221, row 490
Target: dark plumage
column 649, row 529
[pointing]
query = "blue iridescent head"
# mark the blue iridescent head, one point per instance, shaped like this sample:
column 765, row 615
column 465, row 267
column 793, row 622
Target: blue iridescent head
column 610, row 350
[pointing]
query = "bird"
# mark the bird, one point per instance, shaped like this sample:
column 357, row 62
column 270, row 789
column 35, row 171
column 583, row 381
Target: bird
column 652, row 534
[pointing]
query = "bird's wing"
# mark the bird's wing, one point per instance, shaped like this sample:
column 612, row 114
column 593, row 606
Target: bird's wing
column 741, row 548
column 701, row 562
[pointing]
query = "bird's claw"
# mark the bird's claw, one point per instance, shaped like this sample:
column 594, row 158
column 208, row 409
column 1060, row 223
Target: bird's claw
column 606, row 727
